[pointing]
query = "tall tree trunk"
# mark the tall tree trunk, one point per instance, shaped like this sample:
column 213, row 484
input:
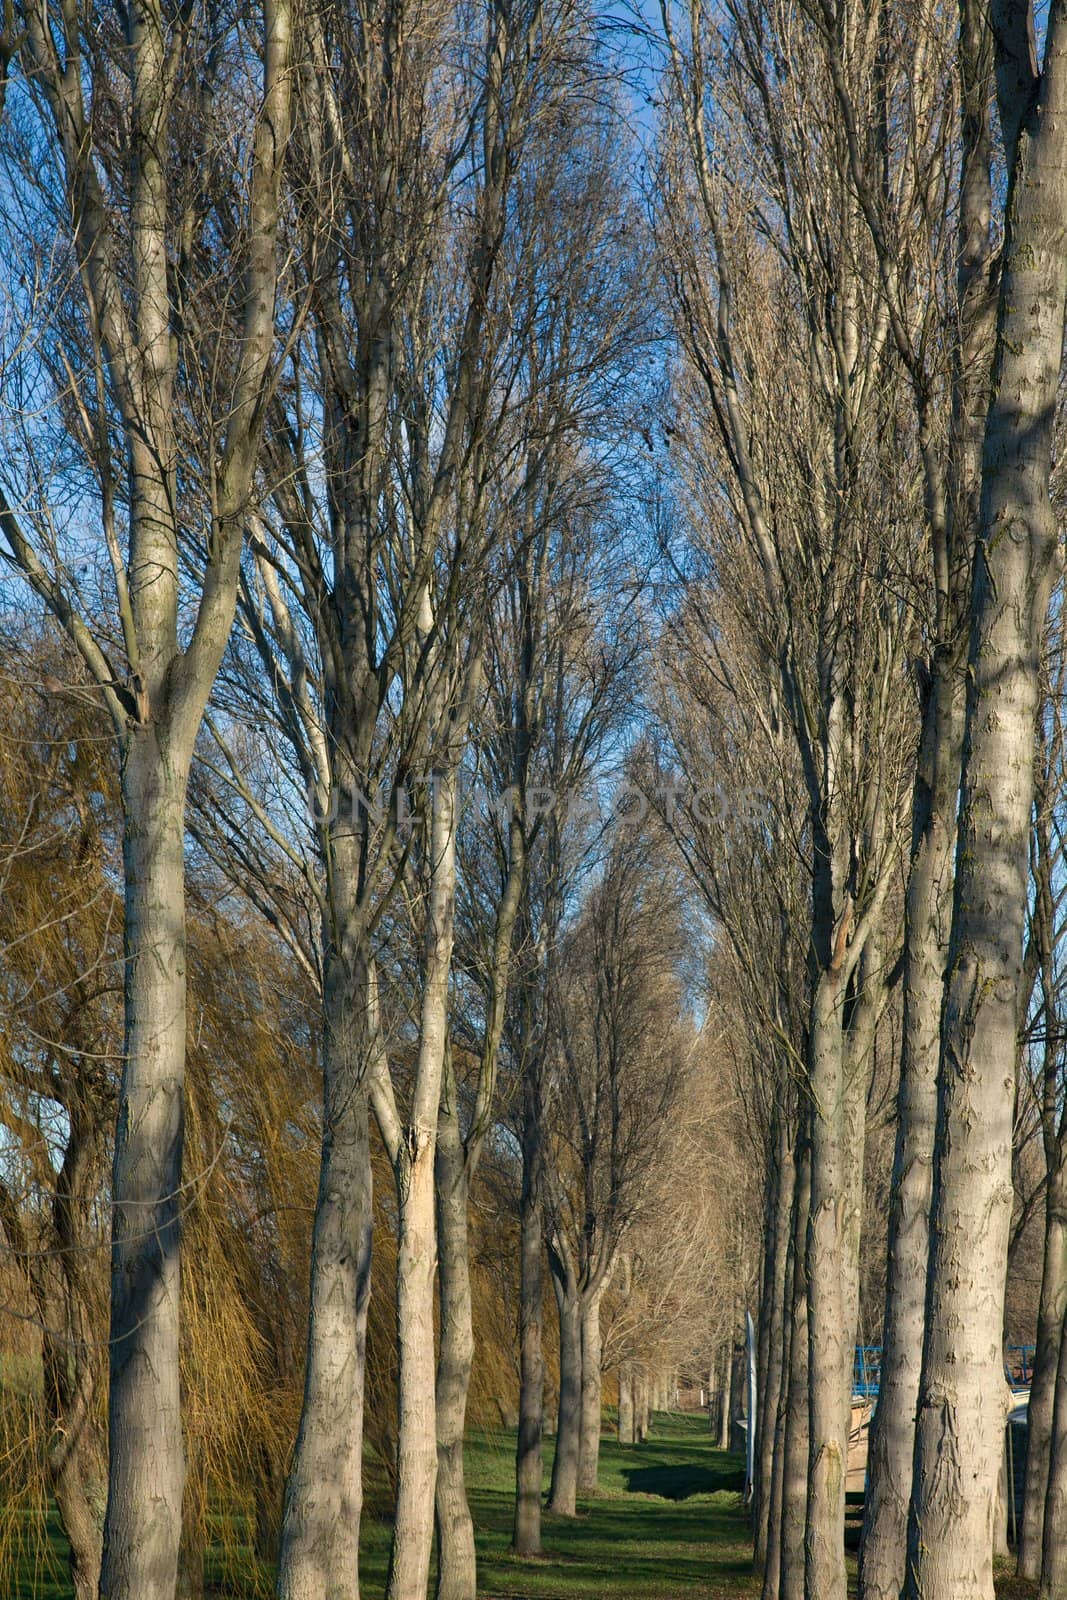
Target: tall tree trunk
column 142, row 1526
column 640, row 1381
column 413, row 1157
column 589, row 1439
column 961, row 1413
column 526, row 1535
column 778, row 1325
column 563, row 1495
column 772, row 1564
column 409, row 1563
column 772, row 1332
column 626, row 1405
column 1052, row 1306
column 319, row 1551
column 456, row 1566
column 81, row 1524
column 927, row 912
column 1054, row 1547
column 795, row 1454
column 70, row 1356
column 1043, row 1387
column 828, row 1340
column 726, row 1395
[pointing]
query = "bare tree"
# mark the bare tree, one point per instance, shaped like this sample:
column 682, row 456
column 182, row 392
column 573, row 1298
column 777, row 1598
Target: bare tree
column 620, row 1074
column 816, row 584
column 129, row 110
column 960, row 1394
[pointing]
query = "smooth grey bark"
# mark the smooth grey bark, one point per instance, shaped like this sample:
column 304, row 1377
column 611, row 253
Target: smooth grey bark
column 1052, row 1306
column 143, row 1522
column 1044, row 1385
column 927, row 915
column 828, row 1339
column 776, row 1323
column 795, row 1451
column 865, row 1009
column 563, row 1494
column 768, row 1348
column 1054, row 1532
column 319, row 1549
column 961, row 1418
column 952, row 517
column 456, row 1563
column 642, row 1418
column 412, row 1151
column 772, row 1561
column 592, row 1384
column 726, row 1395
column 456, row 1160
column 626, row 1405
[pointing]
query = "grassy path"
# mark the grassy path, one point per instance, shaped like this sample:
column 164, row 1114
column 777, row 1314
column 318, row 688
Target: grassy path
column 667, row 1525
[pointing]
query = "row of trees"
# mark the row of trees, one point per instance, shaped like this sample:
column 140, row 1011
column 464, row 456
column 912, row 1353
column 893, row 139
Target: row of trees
column 319, row 382
column 860, row 206
column 253, row 1122
column 329, row 382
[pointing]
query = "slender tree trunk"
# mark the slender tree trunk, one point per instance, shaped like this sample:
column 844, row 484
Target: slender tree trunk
column 1054, row 1548
column 927, row 911
column 726, row 1395
column 1051, row 1312
column 626, row 1405
column 143, row 1521
column 526, row 1535
column 81, row 1524
column 828, row 1340
column 589, row 1442
column 563, row 1495
column 961, row 1413
column 795, row 1454
column 763, row 1432
column 456, row 1566
column 414, row 1163
column 641, row 1414
column 409, row 1564
column 71, row 1359
column 1053, row 1302
column 775, row 1357
column 772, row 1565
column 319, row 1551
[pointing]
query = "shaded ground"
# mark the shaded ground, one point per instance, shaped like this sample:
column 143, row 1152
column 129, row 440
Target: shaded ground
column 667, row 1525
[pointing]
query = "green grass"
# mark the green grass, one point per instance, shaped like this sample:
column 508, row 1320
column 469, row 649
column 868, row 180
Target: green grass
column 666, row 1525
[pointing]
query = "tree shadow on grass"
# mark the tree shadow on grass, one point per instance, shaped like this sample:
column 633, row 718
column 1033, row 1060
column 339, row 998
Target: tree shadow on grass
column 681, row 1480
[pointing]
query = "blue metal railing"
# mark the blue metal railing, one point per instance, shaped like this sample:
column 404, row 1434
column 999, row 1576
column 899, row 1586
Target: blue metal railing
column 867, row 1370
column 1019, row 1364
